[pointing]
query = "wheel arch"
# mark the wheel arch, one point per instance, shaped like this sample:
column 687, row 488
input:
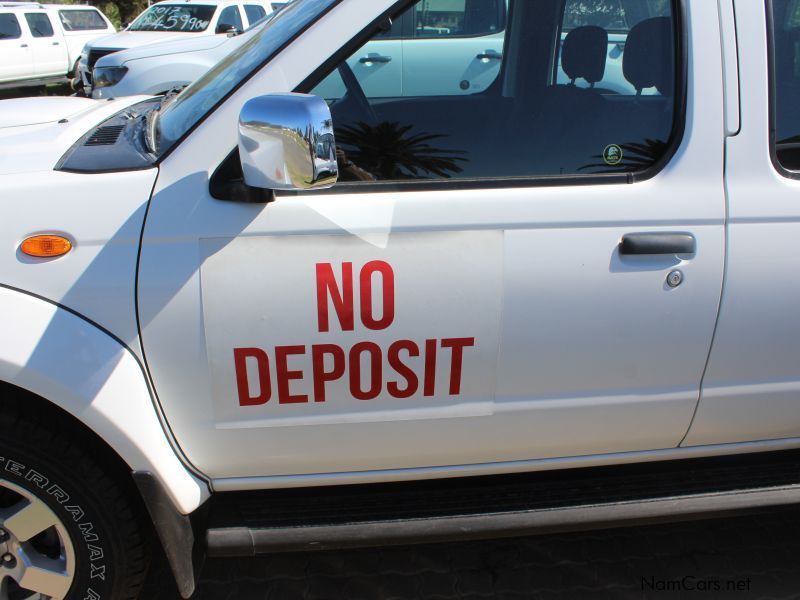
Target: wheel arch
column 62, row 362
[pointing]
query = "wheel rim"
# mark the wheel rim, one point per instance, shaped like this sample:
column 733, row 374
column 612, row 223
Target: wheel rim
column 37, row 558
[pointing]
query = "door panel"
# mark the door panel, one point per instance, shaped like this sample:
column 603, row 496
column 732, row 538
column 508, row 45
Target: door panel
column 751, row 390
column 567, row 348
column 446, row 67
column 50, row 54
column 15, row 49
column 378, row 67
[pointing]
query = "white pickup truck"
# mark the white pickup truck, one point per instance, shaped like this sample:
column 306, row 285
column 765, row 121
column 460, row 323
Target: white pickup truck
column 247, row 320
column 41, row 43
column 171, row 21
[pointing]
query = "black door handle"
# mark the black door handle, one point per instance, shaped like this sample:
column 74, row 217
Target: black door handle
column 489, row 55
column 657, row 243
column 374, row 58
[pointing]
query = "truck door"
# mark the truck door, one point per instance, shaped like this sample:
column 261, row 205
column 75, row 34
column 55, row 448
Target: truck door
column 378, row 68
column 50, row 53
column 524, row 273
column 15, row 49
column 453, row 47
column 751, row 390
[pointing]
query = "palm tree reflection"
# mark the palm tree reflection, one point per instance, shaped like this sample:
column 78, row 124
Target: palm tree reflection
column 390, row 152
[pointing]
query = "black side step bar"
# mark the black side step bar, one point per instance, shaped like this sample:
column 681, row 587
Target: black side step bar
column 249, row 523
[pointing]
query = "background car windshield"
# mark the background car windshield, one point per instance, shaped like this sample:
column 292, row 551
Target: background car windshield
column 174, row 17
column 203, row 95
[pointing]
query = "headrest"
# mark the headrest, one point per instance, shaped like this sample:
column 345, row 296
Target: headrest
column 584, row 53
column 649, row 55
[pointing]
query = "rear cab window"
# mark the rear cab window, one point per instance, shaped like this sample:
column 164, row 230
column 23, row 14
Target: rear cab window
column 81, row 20
column 784, row 25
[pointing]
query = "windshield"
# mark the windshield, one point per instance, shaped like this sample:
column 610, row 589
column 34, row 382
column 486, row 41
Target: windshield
column 174, row 17
column 203, row 95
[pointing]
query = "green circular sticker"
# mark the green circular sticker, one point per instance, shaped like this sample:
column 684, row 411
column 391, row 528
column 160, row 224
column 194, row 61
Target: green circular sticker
column 612, row 155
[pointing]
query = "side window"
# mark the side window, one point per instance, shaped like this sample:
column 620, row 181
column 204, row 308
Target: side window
column 9, row 27
column 82, row 20
column 464, row 18
column 39, row 24
column 786, row 82
column 254, row 12
column 518, row 125
column 230, row 18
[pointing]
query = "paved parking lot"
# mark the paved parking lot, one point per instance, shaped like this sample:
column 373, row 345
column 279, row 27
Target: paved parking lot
column 745, row 557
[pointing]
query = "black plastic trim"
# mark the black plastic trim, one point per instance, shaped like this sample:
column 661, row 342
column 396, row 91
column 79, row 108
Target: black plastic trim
column 243, row 542
column 178, row 533
column 346, row 516
column 657, row 242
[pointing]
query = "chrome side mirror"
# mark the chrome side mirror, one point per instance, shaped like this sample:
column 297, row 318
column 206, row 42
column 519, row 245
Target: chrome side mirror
column 286, row 143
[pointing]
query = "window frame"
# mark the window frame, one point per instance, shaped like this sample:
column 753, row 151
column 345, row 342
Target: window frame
column 772, row 101
column 677, row 133
column 19, row 27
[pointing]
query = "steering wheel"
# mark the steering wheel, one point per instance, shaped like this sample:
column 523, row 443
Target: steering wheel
column 356, row 92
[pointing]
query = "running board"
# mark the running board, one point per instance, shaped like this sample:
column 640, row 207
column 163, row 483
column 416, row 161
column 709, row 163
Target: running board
column 250, row 523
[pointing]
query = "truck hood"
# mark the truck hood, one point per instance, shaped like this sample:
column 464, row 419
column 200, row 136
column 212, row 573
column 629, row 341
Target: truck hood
column 161, row 48
column 36, row 132
column 131, row 39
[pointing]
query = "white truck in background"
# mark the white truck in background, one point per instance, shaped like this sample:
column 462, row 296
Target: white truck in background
column 173, row 21
column 41, row 43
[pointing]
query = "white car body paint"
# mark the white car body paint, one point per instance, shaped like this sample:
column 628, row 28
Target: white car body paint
column 157, row 68
column 613, row 383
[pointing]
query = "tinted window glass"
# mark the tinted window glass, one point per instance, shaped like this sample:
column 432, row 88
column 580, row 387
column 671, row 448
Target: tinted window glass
column 437, row 18
column 172, row 17
column 230, row 17
column 39, row 24
column 81, row 20
column 254, row 12
column 786, row 74
column 514, row 125
column 616, row 18
column 9, row 27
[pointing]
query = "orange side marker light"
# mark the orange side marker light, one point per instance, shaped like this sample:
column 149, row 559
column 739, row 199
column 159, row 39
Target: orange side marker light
column 46, row 246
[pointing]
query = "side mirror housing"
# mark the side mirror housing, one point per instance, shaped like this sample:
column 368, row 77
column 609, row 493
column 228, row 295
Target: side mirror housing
column 286, row 143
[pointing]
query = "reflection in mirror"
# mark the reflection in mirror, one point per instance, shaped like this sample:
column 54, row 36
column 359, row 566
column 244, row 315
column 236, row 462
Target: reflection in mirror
column 286, row 143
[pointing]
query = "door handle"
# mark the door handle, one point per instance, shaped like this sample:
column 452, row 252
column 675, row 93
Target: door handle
column 23, row 45
column 657, row 243
column 490, row 55
column 55, row 43
column 374, row 58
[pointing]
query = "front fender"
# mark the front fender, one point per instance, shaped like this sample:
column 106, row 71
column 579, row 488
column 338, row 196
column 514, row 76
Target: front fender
column 82, row 369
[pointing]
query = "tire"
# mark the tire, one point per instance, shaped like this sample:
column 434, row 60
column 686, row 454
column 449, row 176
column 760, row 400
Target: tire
column 99, row 541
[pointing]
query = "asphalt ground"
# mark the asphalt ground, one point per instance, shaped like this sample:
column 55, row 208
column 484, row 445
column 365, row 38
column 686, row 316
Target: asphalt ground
column 755, row 556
